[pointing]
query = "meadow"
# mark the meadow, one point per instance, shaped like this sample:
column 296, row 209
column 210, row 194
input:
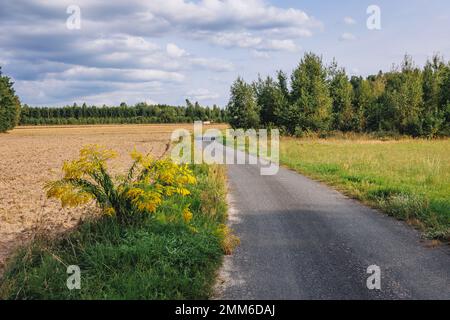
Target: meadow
column 406, row 178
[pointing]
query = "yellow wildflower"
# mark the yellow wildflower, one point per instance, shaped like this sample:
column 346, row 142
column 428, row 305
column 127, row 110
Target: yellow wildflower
column 110, row 211
column 187, row 215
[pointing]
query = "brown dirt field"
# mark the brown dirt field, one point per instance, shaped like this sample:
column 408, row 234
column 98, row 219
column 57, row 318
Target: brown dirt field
column 31, row 156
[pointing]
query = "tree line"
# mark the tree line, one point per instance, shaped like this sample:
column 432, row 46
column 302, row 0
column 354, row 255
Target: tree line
column 141, row 113
column 318, row 98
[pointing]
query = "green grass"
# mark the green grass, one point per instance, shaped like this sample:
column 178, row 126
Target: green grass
column 409, row 179
column 151, row 260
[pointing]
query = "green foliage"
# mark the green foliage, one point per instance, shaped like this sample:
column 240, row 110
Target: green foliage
column 404, row 101
column 271, row 97
column 341, row 90
column 243, row 111
column 310, row 96
column 155, row 259
column 141, row 113
column 9, row 104
column 433, row 114
column 445, row 99
column 148, row 183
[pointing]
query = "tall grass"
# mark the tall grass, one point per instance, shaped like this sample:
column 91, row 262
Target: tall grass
column 409, row 179
column 156, row 259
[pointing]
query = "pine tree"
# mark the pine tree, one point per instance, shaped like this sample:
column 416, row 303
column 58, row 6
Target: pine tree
column 433, row 115
column 404, row 99
column 9, row 104
column 444, row 99
column 341, row 91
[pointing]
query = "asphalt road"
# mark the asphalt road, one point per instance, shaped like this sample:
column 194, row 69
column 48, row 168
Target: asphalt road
column 302, row 240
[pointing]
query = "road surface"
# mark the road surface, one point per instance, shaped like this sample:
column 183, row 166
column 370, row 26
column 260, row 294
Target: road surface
column 302, row 240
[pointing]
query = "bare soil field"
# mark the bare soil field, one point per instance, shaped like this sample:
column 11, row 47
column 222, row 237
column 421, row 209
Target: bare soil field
column 31, row 156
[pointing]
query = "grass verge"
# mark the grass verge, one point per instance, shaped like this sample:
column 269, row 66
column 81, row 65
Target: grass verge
column 408, row 179
column 155, row 259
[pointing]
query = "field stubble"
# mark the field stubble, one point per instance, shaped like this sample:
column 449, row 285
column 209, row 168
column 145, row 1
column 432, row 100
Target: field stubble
column 31, row 156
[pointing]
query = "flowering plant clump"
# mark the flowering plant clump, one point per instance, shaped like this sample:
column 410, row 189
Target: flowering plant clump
column 147, row 184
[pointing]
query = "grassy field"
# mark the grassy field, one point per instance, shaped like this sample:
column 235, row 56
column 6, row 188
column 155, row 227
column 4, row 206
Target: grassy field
column 409, row 179
column 153, row 260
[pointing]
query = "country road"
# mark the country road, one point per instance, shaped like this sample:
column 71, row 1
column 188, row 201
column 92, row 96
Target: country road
column 302, row 240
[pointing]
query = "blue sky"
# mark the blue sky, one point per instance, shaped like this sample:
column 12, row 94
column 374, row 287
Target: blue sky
column 164, row 51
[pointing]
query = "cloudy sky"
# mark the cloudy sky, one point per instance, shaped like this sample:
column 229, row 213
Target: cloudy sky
column 164, row 51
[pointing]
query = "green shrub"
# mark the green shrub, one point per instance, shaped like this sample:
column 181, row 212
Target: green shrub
column 141, row 191
column 9, row 104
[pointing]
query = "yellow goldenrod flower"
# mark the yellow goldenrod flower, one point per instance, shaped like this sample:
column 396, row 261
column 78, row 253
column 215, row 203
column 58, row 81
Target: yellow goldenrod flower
column 136, row 155
column 110, row 211
column 87, row 178
column 187, row 215
column 135, row 193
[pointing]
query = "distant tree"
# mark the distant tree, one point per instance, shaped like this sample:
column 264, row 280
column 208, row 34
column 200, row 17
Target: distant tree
column 445, row 99
column 140, row 113
column 368, row 108
column 242, row 108
column 9, row 104
column 433, row 116
column 190, row 110
column 281, row 110
column 344, row 118
column 311, row 102
column 270, row 100
column 404, row 99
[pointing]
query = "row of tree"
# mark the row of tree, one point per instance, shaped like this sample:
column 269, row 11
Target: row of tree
column 139, row 113
column 319, row 98
column 9, row 104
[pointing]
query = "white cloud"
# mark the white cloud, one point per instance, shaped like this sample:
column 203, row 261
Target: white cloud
column 121, row 43
column 114, row 74
column 50, row 92
column 212, row 64
column 231, row 39
column 115, row 98
column 174, row 51
column 281, row 45
column 202, row 94
column 347, row 37
column 109, row 49
column 209, row 14
column 260, row 54
column 290, row 32
column 246, row 40
column 349, row 21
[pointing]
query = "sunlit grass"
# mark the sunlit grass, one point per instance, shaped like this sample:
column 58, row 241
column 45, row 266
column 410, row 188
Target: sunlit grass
column 408, row 178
